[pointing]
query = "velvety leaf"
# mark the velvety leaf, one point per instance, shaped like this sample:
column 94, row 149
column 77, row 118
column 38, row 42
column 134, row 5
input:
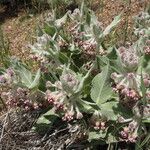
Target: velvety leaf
column 88, row 18
column 101, row 90
column 25, row 75
column 63, row 58
column 96, row 135
column 146, row 120
column 85, row 106
column 102, row 61
column 44, row 118
column 96, row 31
column 112, row 54
column 36, row 80
column 82, row 81
column 143, row 90
column 82, row 8
column 107, row 109
column 45, row 121
column 111, row 139
column 113, row 109
column 116, row 66
column 109, row 28
column 61, row 21
column 51, row 30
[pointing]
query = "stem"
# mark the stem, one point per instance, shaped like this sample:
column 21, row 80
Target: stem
column 3, row 103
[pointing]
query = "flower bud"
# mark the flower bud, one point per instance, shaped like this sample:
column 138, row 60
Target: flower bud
column 58, row 85
column 35, row 106
column 49, row 84
column 69, row 79
column 2, row 79
column 121, row 50
column 103, row 127
column 124, row 135
column 146, row 82
column 68, row 116
column 132, row 138
column 121, row 119
column 79, row 115
column 126, row 129
column 97, row 125
column 10, row 72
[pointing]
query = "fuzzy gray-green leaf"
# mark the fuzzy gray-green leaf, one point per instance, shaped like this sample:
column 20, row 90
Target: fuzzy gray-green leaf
column 36, row 80
column 101, row 90
column 112, row 25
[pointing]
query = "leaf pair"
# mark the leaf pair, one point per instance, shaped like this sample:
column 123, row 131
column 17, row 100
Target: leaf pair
column 27, row 79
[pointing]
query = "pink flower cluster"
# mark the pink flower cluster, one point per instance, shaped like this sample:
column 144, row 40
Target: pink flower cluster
column 70, row 80
column 55, row 99
column 61, row 105
column 127, row 136
column 59, row 98
column 146, row 48
column 128, row 84
column 129, row 57
column 69, row 115
column 20, row 98
column 97, row 122
column 87, row 45
column 99, row 125
column 7, row 78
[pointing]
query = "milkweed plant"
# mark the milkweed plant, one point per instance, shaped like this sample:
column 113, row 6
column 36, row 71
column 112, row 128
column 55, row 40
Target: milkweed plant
column 80, row 79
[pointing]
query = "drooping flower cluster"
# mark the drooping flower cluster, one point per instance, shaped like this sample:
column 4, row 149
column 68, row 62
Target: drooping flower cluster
column 128, row 84
column 39, row 49
column 62, row 98
column 54, row 98
column 128, row 135
column 129, row 57
column 146, row 48
column 85, row 39
column 6, row 79
column 97, row 121
column 19, row 97
column 88, row 45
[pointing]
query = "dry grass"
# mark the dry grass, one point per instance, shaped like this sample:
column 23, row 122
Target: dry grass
column 16, row 134
column 20, row 32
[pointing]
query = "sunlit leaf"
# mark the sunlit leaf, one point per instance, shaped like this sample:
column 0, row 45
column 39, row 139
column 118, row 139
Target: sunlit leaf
column 45, row 121
column 36, row 80
column 109, row 28
column 96, row 135
column 101, row 90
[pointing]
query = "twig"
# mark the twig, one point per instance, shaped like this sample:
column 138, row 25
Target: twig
column 3, row 129
column 55, row 134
